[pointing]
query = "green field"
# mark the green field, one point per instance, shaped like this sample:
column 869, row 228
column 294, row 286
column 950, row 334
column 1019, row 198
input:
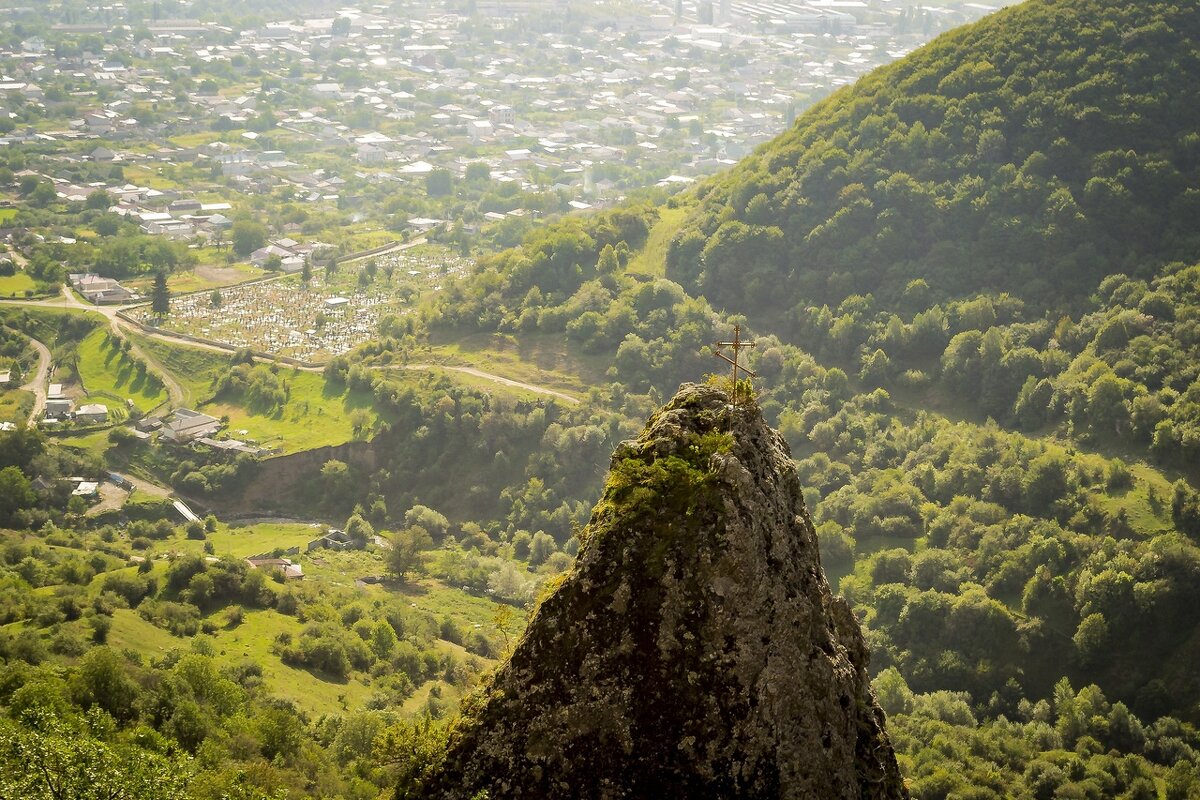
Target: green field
column 314, row 415
column 245, row 541
column 16, row 285
column 249, row 641
column 15, row 405
column 651, row 259
column 209, row 274
column 109, row 373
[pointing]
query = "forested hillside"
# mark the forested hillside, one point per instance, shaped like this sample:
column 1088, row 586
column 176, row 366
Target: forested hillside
column 970, row 277
column 1035, row 152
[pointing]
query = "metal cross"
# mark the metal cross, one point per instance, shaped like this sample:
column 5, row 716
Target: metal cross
column 738, row 344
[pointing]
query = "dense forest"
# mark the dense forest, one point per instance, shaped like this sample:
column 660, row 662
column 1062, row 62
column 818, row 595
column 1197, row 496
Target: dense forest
column 1035, row 152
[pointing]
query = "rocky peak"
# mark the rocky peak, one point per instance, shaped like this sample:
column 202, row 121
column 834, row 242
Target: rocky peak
column 694, row 650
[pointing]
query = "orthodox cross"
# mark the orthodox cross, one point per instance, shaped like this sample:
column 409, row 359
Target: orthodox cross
column 737, row 345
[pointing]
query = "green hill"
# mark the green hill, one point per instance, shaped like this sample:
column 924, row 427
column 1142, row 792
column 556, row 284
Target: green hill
column 1034, row 152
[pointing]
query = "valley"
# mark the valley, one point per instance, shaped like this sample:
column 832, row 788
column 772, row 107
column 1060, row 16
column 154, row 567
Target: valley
column 271, row 524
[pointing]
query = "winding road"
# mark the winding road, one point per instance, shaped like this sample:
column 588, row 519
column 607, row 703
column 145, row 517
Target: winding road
column 177, row 392
column 41, row 377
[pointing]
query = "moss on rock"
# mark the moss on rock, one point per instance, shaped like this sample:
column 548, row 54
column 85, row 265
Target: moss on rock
column 694, row 650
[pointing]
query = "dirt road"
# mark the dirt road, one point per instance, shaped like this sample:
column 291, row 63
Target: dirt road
column 40, row 378
column 487, row 376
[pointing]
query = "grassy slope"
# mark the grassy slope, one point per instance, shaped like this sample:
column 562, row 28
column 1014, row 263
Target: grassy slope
column 314, row 416
column 650, row 259
column 252, row 639
column 105, row 370
column 540, row 359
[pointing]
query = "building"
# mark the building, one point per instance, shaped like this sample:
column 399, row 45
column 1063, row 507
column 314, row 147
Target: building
column 58, row 409
column 291, row 570
column 502, row 115
column 100, row 290
column 186, row 425
column 92, row 414
column 335, row 539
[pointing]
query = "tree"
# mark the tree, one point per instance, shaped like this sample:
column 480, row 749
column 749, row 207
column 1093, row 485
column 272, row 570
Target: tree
column 541, row 547
column 43, row 195
column 434, row 522
column 405, row 555
column 478, row 171
column 306, row 272
column 383, row 640
column 438, row 183
column 98, row 200
column 48, row 759
column 160, row 295
column 248, row 236
column 16, row 493
column 358, row 528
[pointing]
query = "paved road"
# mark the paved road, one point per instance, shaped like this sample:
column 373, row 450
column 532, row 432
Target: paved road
column 41, row 377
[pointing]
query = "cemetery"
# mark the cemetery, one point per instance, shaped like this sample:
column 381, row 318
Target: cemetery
column 334, row 311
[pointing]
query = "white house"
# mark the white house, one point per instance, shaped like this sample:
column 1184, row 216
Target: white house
column 92, row 413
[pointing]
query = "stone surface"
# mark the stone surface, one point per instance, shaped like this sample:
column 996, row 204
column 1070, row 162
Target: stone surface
column 695, row 649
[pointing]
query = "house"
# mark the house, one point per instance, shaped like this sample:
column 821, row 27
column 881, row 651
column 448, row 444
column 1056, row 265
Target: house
column 101, row 290
column 480, row 130
column 186, row 425
column 292, row 264
column 370, row 154
column 335, row 539
column 502, row 115
column 184, row 206
column 262, row 254
column 92, row 413
column 85, row 489
column 290, row 569
column 57, row 409
column 231, row 446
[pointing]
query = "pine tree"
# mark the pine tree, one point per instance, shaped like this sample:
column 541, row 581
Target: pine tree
column 306, row 272
column 160, row 295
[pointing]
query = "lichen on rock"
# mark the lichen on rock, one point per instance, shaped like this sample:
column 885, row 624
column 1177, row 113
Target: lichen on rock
column 694, row 650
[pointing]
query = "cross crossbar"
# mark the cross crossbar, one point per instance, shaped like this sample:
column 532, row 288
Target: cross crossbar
column 737, row 345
